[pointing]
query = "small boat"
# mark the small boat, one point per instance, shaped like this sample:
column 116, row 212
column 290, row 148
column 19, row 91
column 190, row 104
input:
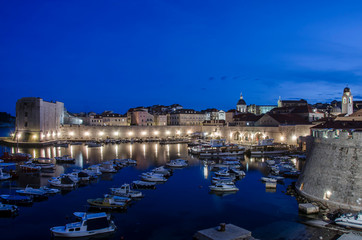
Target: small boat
column 162, row 170
column 291, row 174
column 43, row 163
column 35, row 192
column 126, row 191
column 152, row 177
column 222, row 187
column 16, row 199
column 237, row 172
column 143, row 184
column 76, row 143
column 15, row 156
column 107, row 167
column 61, row 144
column 126, row 161
column 278, row 178
column 266, row 179
column 50, row 190
column 93, row 144
column 6, row 209
column 73, row 176
column 89, row 224
column 177, row 163
column 62, row 182
column 80, row 176
column 95, row 170
column 350, row 220
column 109, row 202
column 3, row 175
column 223, row 173
column 226, row 180
column 65, row 159
column 30, row 167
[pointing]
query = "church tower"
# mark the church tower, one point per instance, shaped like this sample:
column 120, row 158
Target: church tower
column 347, row 102
column 241, row 105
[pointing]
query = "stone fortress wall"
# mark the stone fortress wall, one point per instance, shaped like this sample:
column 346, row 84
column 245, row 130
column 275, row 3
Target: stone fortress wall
column 333, row 171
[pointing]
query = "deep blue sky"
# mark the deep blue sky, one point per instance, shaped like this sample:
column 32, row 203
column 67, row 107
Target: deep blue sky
column 112, row 55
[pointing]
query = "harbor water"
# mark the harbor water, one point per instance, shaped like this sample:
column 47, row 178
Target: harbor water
column 176, row 209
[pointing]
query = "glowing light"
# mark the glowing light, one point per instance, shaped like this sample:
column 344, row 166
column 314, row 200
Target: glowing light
column 143, row 133
column 35, row 137
column 53, row 134
column 48, row 135
column 115, row 133
column 168, row 132
column 18, row 135
column 294, row 138
column 189, row 132
column 101, row 133
column 206, row 133
column 231, row 135
column 42, row 136
column 282, row 138
column 327, row 195
column 130, row 133
column 206, row 171
column 178, row 132
column 58, row 134
column 86, row 134
column 71, row 133
column 264, row 136
column 156, row 132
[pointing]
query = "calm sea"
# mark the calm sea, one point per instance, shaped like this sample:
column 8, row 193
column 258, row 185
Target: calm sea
column 174, row 210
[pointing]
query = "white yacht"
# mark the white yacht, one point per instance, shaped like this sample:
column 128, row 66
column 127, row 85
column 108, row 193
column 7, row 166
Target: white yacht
column 177, row 163
column 89, row 224
column 151, row 177
column 62, row 182
column 350, row 220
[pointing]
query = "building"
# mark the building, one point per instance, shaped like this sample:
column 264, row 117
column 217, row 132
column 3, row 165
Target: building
column 186, row 117
column 241, row 105
column 38, row 120
column 292, row 103
column 108, row 119
column 245, row 119
column 142, row 118
column 260, row 109
column 347, row 101
column 275, row 120
column 160, row 119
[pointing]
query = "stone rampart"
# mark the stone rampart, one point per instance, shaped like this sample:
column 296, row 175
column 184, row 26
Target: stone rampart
column 333, row 171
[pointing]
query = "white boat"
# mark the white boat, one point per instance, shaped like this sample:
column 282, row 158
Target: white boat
column 73, row 176
column 237, row 172
column 153, row 178
column 177, row 163
column 267, row 179
column 223, row 173
column 222, row 187
column 43, row 163
column 143, row 184
column 36, row 192
column 89, row 224
column 278, row 178
column 162, row 170
column 50, row 190
column 350, row 220
column 65, row 159
column 126, row 191
column 3, row 175
column 62, row 182
column 8, row 209
column 107, row 167
column 93, row 170
column 80, row 176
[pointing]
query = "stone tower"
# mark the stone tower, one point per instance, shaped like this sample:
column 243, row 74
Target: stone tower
column 241, row 105
column 347, row 101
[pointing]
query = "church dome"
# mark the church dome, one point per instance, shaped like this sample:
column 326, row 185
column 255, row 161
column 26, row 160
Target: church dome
column 346, row 89
column 241, row 102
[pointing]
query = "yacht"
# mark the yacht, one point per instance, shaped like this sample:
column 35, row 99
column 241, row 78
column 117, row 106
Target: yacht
column 89, row 224
column 35, row 192
column 177, row 163
column 62, row 182
column 222, row 187
column 126, row 191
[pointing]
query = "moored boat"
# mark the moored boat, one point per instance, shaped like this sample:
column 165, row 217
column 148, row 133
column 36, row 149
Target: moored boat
column 109, row 202
column 6, row 209
column 126, row 191
column 4, row 175
column 350, row 220
column 65, row 159
column 89, row 224
column 222, row 187
column 143, row 184
column 16, row 199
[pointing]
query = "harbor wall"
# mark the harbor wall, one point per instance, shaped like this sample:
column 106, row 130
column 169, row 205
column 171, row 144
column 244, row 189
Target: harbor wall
column 284, row 134
column 333, row 171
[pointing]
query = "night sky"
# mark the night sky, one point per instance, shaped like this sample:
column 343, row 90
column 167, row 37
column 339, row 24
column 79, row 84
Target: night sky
column 116, row 54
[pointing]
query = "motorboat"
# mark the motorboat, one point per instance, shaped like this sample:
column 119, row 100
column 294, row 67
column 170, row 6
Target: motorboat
column 76, row 143
column 73, row 176
column 177, row 163
column 93, row 144
column 89, row 224
column 61, row 144
column 16, row 199
column 222, row 187
column 62, row 182
column 162, row 170
column 43, row 163
column 30, row 167
column 94, row 169
column 126, row 191
column 35, row 192
column 126, row 161
column 237, row 172
column 4, row 175
column 152, row 177
column 65, row 159
column 223, row 173
column 267, row 147
column 267, row 179
column 80, row 176
column 143, row 184
column 15, row 157
column 218, row 148
column 350, row 220
column 109, row 202
column 278, row 178
column 50, row 190
column 6, row 209
column 107, row 167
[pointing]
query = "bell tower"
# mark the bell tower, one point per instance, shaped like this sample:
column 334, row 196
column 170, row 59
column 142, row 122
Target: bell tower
column 347, row 101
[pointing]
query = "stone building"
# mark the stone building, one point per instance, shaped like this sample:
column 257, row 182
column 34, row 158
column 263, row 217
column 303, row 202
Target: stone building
column 186, row 117
column 160, row 119
column 108, row 119
column 142, row 118
column 260, row 109
column 292, row 103
column 332, row 173
column 37, row 120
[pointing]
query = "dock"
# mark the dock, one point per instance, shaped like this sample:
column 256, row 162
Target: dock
column 224, row 232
